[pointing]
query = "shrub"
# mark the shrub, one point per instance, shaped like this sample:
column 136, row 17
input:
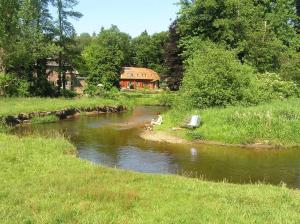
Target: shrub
column 11, row 86
column 68, row 93
column 102, row 92
column 167, row 98
column 214, row 77
column 43, row 88
column 270, row 86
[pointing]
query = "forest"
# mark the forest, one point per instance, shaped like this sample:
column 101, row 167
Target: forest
column 217, row 53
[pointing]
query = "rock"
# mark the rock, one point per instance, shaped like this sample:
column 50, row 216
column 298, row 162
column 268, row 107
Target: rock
column 12, row 120
column 31, row 115
column 62, row 114
column 120, row 108
column 23, row 117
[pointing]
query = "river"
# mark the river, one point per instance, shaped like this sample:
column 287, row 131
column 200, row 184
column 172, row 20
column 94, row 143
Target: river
column 113, row 140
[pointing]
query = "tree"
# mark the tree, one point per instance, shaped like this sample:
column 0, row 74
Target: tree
column 8, row 30
column 149, row 51
column 298, row 7
column 81, row 42
column 214, row 77
column 26, row 40
column 260, row 32
column 65, row 33
column 173, row 60
column 144, row 50
column 106, row 56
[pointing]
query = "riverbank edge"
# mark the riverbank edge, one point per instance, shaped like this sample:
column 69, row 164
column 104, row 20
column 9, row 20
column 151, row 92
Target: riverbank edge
column 143, row 187
column 166, row 137
column 25, row 118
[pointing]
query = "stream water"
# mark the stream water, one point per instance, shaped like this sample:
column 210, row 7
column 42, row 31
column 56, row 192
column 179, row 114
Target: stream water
column 113, row 140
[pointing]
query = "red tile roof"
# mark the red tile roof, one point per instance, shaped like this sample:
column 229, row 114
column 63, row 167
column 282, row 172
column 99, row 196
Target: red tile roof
column 133, row 73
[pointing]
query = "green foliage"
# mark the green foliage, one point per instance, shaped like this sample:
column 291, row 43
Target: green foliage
column 269, row 86
column 214, row 77
column 10, row 86
column 148, row 51
column 167, row 98
column 24, row 40
column 264, row 34
column 173, row 59
column 68, row 93
column 43, row 120
column 64, row 33
column 41, row 87
column 290, row 66
column 105, row 57
column 29, row 35
column 81, row 43
column 100, row 91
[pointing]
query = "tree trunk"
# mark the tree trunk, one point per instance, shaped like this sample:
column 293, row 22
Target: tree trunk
column 2, row 67
column 265, row 30
column 64, row 81
column 61, row 75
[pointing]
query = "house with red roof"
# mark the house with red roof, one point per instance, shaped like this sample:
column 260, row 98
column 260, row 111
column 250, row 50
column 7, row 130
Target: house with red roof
column 139, row 78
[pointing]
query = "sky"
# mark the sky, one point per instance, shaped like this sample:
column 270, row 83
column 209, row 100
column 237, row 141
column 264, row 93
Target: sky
column 131, row 16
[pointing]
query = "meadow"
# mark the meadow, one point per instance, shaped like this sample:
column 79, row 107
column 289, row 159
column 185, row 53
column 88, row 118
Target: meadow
column 275, row 123
column 14, row 106
column 42, row 181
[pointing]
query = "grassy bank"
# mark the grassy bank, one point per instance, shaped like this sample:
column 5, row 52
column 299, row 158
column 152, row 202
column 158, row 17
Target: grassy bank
column 276, row 123
column 43, row 182
column 14, row 106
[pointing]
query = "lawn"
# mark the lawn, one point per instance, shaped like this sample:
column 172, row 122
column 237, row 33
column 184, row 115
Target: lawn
column 14, row 106
column 43, row 182
column 275, row 123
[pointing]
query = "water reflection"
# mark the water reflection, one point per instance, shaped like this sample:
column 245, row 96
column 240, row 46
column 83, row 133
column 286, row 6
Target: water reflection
column 112, row 140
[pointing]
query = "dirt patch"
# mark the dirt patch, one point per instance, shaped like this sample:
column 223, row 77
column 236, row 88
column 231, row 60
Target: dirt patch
column 159, row 136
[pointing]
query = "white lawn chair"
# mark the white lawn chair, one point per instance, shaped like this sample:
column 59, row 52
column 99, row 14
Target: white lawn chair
column 194, row 122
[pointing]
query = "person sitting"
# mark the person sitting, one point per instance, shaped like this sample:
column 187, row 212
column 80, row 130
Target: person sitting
column 157, row 121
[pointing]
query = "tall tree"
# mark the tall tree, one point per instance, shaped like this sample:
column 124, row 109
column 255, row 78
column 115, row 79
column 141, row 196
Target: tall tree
column 106, row 56
column 149, row 50
column 81, row 42
column 261, row 32
column 66, row 31
column 24, row 25
column 173, row 59
column 8, row 30
column 298, row 7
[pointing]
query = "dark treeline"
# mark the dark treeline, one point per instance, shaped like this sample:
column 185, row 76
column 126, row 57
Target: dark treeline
column 29, row 35
column 260, row 38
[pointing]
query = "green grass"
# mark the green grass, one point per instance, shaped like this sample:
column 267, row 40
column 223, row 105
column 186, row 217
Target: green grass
column 44, row 120
column 276, row 123
column 43, row 182
column 14, row 106
column 3, row 128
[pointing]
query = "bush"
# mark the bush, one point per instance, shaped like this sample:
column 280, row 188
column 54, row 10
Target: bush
column 12, row 86
column 269, row 86
column 167, row 98
column 214, row 77
column 68, row 93
column 102, row 92
column 43, row 88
